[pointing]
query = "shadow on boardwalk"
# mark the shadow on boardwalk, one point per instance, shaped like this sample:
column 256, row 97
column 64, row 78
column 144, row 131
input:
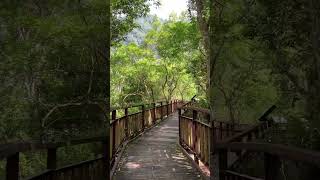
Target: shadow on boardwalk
column 156, row 155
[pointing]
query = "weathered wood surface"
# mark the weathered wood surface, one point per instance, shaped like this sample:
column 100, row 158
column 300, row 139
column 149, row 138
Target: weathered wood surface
column 156, row 155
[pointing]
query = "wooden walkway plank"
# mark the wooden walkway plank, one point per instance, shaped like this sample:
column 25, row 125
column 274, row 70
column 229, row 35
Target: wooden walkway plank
column 156, row 155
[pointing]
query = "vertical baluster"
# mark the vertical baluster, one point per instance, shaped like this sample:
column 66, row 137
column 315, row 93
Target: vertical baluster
column 161, row 110
column 126, row 122
column 154, row 112
column 179, row 118
column 167, row 108
column 176, row 104
column 113, row 117
column 194, row 133
column 262, row 129
column 142, row 115
column 52, row 158
column 211, row 147
column 249, row 137
column 105, row 153
column 221, row 130
column 272, row 165
column 223, row 163
column 12, row 167
column 256, row 133
column 232, row 129
column 228, row 130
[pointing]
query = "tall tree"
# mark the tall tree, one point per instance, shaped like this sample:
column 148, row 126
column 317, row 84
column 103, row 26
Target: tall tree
column 290, row 30
column 54, row 55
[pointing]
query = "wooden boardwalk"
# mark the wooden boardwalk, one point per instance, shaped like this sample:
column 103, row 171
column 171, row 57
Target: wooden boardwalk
column 156, row 155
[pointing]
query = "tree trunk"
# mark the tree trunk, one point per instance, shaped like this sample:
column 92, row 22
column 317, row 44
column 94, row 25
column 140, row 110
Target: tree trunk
column 313, row 99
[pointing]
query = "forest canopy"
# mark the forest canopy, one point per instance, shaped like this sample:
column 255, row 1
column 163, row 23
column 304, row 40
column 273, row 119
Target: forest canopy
column 64, row 63
column 239, row 58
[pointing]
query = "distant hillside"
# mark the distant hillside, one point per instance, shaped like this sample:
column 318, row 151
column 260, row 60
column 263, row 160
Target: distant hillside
column 138, row 34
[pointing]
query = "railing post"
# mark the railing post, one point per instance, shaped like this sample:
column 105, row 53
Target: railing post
column 105, row 153
column 194, row 133
column 143, row 114
column 154, row 112
column 52, row 158
column 179, row 118
column 211, row 148
column 168, row 108
column 126, row 122
column 256, row 134
column 249, row 137
column 175, row 105
column 221, row 130
column 114, row 117
column 161, row 110
column 12, row 167
column 233, row 131
column 228, row 130
column 271, row 166
column 262, row 134
column 223, row 163
column 172, row 105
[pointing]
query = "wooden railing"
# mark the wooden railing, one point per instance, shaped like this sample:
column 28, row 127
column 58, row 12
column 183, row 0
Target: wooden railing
column 121, row 129
column 195, row 129
column 198, row 132
column 273, row 153
column 95, row 168
column 130, row 125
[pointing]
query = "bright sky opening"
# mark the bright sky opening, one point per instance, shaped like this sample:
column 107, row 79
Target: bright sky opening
column 169, row 6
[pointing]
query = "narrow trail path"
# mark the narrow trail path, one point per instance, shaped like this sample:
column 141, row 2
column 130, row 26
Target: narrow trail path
column 156, row 155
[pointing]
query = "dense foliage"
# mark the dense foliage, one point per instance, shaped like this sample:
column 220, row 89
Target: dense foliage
column 53, row 74
column 156, row 69
column 238, row 57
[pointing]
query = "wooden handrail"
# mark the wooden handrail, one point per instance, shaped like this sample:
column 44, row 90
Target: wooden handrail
column 203, row 110
column 269, row 111
column 243, row 134
column 11, row 152
column 283, row 151
column 25, row 146
column 136, row 105
column 197, row 121
column 261, row 124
